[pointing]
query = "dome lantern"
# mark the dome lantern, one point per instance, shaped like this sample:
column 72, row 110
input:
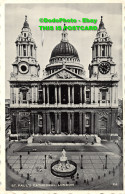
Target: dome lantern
column 64, row 35
column 25, row 25
column 64, row 55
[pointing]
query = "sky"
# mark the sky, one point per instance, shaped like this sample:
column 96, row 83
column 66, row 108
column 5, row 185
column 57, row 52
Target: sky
column 81, row 40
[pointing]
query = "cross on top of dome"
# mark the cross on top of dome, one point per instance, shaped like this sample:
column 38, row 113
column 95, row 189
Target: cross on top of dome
column 26, row 25
column 101, row 25
column 64, row 35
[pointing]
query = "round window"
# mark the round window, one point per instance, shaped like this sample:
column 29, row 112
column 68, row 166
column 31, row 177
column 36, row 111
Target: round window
column 23, row 68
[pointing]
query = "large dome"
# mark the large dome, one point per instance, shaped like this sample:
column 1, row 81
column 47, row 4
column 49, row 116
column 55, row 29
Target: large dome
column 64, row 49
column 64, row 55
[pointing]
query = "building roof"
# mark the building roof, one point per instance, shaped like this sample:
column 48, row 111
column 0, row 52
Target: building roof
column 64, row 49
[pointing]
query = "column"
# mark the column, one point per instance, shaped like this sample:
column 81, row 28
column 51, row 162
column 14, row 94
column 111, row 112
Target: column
column 21, row 50
column 117, row 94
column 59, row 123
column 105, row 50
column 29, row 54
column 99, row 96
column 68, row 94
column 72, row 124
column 56, row 124
column 83, row 123
column 13, row 95
column 47, row 94
column 94, row 51
column 93, row 94
column 108, row 50
column 48, row 123
column 55, row 94
column 36, row 94
column 44, row 123
column 18, row 96
column 69, row 123
column 84, row 94
column 21, row 97
column 44, row 94
column 98, row 50
column 80, row 94
column 80, row 123
column 59, row 94
column 73, row 94
column 10, row 95
column 32, row 93
column 92, row 123
column 28, row 50
column 18, row 50
column 114, row 94
column 35, row 54
column 111, row 97
column 32, row 51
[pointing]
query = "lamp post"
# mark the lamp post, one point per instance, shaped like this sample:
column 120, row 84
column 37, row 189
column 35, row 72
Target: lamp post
column 21, row 162
column 29, row 128
column 106, row 161
column 45, row 163
column 81, row 161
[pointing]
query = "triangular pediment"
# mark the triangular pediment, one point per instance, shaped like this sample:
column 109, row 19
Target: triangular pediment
column 64, row 74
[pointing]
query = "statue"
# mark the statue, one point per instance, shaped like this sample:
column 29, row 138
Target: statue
column 64, row 153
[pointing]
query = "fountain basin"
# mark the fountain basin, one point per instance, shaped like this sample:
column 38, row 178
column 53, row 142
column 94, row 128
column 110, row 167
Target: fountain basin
column 63, row 168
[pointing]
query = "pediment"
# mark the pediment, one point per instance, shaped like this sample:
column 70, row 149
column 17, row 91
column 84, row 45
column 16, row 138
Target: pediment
column 64, row 74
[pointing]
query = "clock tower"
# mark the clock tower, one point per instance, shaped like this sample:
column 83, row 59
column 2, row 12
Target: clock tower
column 102, row 65
column 25, row 67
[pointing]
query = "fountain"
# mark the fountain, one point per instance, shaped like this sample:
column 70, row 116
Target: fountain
column 63, row 167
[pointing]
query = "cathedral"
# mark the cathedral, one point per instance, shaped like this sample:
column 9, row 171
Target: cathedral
column 63, row 101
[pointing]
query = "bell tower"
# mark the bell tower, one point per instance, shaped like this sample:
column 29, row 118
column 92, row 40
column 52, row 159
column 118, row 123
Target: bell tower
column 102, row 66
column 26, row 66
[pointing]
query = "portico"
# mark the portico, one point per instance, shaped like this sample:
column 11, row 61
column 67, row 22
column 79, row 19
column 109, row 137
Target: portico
column 62, row 93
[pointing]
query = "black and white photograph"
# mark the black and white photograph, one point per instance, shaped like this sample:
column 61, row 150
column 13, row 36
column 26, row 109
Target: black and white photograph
column 63, row 96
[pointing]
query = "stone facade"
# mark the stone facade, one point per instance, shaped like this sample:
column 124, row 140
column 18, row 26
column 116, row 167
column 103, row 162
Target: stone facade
column 64, row 101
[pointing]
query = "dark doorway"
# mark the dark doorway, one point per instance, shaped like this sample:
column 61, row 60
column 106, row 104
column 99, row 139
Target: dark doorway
column 76, row 123
column 52, row 118
column 76, row 94
column 64, row 94
column 88, row 130
column 51, row 94
column 64, row 123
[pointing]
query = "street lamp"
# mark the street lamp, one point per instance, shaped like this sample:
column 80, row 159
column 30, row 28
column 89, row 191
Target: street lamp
column 45, row 163
column 21, row 162
column 29, row 128
column 81, row 161
column 106, row 161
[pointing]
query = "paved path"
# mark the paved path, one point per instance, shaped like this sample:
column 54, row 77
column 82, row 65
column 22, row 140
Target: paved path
column 34, row 163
